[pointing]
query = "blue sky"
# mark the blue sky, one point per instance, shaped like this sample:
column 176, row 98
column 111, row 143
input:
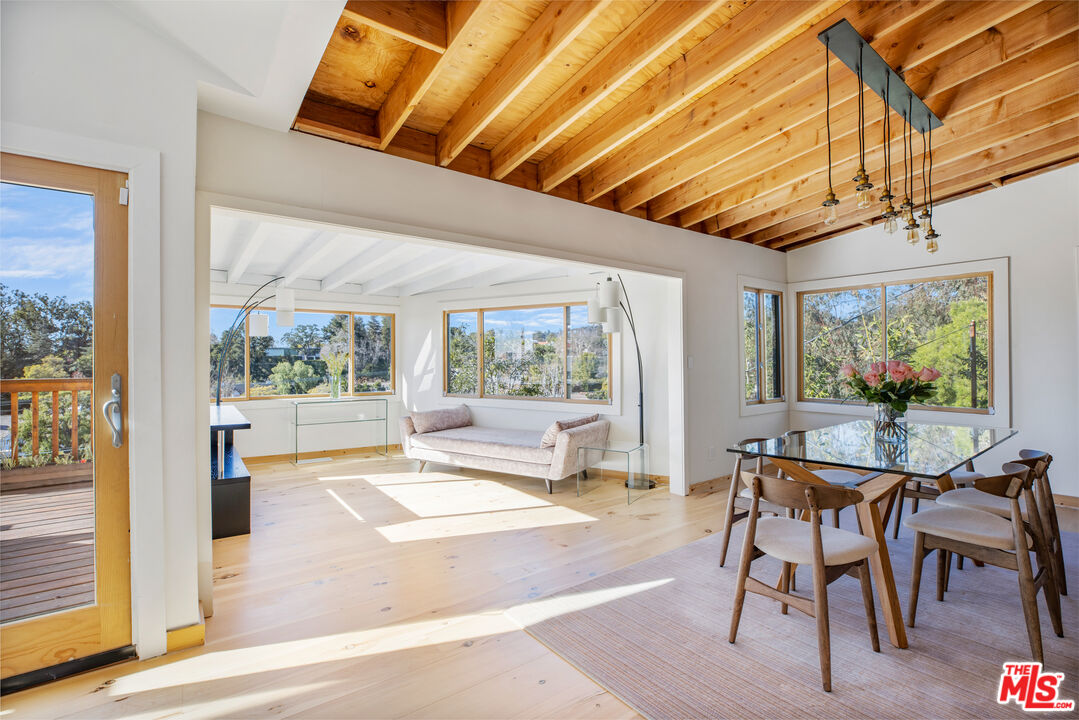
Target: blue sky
column 47, row 241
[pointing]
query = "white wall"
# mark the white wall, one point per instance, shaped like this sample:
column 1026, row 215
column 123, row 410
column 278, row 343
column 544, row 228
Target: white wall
column 324, row 180
column 1034, row 223
column 97, row 76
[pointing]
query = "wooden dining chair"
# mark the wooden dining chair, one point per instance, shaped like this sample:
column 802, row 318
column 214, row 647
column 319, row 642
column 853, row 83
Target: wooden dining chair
column 994, row 540
column 914, row 490
column 740, row 496
column 832, row 476
column 831, row 553
column 1036, row 506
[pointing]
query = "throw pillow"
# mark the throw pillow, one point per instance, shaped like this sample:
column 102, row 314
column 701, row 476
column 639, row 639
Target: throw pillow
column 435, row 420
column 550, row 435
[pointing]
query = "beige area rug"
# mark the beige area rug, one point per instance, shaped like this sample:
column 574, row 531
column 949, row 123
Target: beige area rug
column 655, row 635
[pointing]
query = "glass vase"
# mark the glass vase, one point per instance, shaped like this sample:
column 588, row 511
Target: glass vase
column 890, row 426
column 335, row 387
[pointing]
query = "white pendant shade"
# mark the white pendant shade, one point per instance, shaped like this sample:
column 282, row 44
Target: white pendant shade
column 608, row 293
column 258, row 325
column 612, row 320
column 285, row 318
column 286, row 299
column 595, row 312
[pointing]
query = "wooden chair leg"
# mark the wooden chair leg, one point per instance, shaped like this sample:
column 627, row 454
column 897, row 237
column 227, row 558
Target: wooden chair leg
column 835, row 517
column 898, row 510
column 867, row 599
column 916, row 575
column 914, row 502
column 958, row 562
column 1028, row 595
column 423, row 464
column 740, row 585
column 948, row 571
column 729, row 520
column 794, row 578
column 820, row 609
column 942, row 564
column 785, row 585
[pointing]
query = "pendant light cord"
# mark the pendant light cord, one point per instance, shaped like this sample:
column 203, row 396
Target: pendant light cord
column 925, row 192
column 887, row 126
column 930, row 173
column 906, row 186
column 828, row 112
column 861, row 112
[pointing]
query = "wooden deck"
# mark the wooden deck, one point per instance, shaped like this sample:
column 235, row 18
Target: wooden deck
column 46, row 542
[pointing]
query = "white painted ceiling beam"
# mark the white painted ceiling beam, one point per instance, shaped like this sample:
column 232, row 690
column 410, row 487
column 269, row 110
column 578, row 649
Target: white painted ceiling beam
column 374, row 256
column 313, row 249
column 467, row 268
column 427, row 264
column 250, row 240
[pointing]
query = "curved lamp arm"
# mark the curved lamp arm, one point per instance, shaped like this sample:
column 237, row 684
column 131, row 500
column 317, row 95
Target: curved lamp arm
column 246, row 309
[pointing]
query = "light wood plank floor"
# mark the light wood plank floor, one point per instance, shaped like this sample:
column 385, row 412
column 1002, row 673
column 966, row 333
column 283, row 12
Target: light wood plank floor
column 369, row 590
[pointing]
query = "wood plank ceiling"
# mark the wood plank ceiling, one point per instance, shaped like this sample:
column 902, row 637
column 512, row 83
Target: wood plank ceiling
column 704, row 114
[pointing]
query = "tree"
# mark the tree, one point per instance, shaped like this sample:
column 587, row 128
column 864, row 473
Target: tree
column 296, row 378
column 33, row 327
column 51, row 366
column 304, row 337
column 948, row 350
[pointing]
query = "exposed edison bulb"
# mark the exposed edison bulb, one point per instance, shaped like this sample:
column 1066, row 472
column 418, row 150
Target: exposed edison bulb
column 891, row 225
column 912, row 233
column 831, row 214
column 931, row 240
column 864, row 197
column 925, row 222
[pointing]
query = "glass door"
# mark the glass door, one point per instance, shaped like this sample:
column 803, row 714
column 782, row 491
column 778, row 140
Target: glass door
column 64, row 552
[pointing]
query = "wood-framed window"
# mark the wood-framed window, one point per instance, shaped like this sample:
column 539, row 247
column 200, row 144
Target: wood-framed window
column 289, row 361
column 762, row 334
column 530, row 352
column 945, row 322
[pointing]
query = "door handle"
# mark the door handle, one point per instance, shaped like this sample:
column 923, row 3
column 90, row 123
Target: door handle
column 112, row 409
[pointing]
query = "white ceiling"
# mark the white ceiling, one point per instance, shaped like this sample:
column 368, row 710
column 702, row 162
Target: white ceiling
column 247, row 249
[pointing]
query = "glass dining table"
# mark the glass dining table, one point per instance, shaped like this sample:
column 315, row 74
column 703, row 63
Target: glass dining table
column 929, row 451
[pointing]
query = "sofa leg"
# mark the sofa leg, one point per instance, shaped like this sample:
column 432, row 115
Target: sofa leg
column 423, row 464
column 550, row 487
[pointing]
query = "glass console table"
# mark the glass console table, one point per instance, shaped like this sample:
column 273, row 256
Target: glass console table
column 326, row 411
column 631, row 467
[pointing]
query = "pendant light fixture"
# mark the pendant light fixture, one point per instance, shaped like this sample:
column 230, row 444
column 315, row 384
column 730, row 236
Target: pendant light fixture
column 888, row 211
column 831, row 202
column 931, row 234
column 906, row 208
column 861, row 180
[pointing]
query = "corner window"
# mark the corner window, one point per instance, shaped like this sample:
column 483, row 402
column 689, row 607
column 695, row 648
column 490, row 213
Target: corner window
column 762, row 338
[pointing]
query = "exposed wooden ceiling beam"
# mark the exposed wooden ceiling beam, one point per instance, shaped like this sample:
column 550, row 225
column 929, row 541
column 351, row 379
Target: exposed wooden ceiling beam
column 420, row 22
column 1025, row 164
column 731, row 164
column 794, row 69
column 424, row 66
column 752, row 200
column 558, row 25
column 336, row 123
column 250, row 239
column 1016, row 135
column 659, row 26
column 734, row 44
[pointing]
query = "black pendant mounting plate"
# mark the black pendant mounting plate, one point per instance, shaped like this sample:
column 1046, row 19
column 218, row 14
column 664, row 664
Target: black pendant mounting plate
column 843, row 41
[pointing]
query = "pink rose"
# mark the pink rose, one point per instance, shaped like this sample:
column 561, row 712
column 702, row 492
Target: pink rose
column 847, row 371
column 894, row 365
column 928, row 375
column 897, row 375
column 936, row 373
column 878, row 367
column 872, row 379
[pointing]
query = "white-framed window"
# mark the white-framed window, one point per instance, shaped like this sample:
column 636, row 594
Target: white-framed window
column 762, row 347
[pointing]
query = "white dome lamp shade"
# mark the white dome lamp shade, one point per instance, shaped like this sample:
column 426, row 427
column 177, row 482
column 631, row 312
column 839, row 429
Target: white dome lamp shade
column 286, row 307
column 258, row 325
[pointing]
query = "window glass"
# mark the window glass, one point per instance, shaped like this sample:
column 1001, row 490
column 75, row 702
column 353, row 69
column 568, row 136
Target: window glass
column 462, row 349
column 523, row 352
column 372, row 353
column 750, row 311
column 289, row 360
column 838, row 326
column 771, row 352
column 587, row 357
column 232, row 373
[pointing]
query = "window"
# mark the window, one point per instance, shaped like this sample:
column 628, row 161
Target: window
column 291, row 361
column 549, row 352
column 762, row 330
column 940, row 322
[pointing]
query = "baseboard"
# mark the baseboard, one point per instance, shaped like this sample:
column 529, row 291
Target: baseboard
column 187, row 637
column 622, row 475
column 342, row 452
column 705, row 487
column 1066, row 500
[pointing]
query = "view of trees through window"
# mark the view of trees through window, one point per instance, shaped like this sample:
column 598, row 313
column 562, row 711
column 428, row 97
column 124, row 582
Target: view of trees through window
column 290, row 360
column 942, row 323
column 542, row 352
column 762, row 329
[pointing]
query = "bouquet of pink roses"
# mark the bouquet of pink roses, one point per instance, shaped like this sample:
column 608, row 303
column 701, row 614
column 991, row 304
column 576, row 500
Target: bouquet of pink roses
column 893, row 383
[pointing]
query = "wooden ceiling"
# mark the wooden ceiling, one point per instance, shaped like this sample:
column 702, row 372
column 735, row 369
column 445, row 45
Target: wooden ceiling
column 704, row 114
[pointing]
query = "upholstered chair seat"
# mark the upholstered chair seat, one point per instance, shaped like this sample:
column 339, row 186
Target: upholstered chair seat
column 965, row 525
column 978, row 500
column 965, row 477
column 792, row 541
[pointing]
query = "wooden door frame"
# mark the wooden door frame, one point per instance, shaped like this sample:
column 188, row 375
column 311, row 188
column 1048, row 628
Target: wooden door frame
column 144, row 408
column 66, row 635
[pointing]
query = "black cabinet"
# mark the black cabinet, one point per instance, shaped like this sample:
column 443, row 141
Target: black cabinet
column 230, row 481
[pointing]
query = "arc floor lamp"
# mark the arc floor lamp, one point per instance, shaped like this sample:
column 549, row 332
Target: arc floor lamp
column 260, row 324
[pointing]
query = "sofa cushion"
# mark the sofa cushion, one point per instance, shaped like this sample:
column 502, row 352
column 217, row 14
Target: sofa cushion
column 435, row 420
column 501, row 443
column 550, row 435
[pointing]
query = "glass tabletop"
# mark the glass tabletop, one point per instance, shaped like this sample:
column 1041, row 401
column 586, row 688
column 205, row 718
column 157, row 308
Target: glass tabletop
column 929, row 451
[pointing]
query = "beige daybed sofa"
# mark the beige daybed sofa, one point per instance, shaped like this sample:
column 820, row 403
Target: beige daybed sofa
column 448, row 436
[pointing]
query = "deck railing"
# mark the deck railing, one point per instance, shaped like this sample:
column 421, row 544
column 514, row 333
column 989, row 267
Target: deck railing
column 51, row 388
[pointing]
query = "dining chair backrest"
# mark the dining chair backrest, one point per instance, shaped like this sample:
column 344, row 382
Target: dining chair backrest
column 746, row 454
column 758, row 466
column 1012, row 481
column 799, row 495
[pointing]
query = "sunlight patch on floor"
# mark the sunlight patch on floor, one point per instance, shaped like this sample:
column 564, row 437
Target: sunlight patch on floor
column 462, row 497
column 490, row 522
column 345, row 505
column 403, row 478
column 215, row 666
